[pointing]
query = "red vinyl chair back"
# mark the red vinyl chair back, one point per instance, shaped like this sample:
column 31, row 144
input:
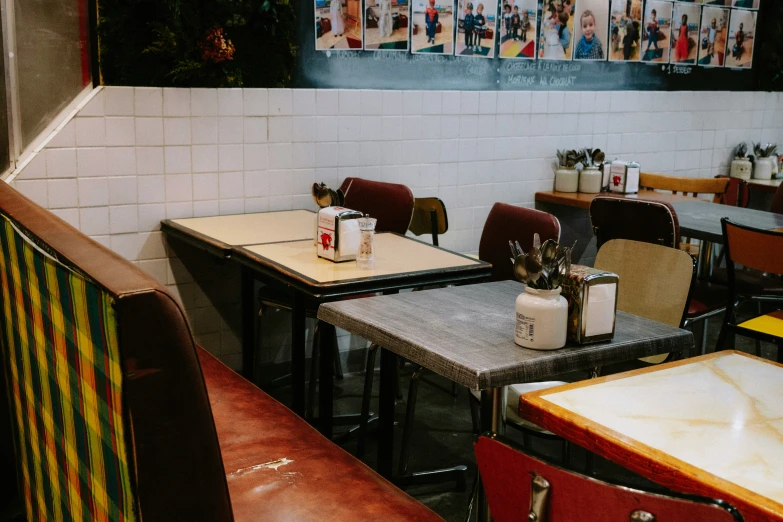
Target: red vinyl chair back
column 638, row 220
column 777, row 201
column 507, row 475
column 511, row 223
column 737, row 194
column 391, row 204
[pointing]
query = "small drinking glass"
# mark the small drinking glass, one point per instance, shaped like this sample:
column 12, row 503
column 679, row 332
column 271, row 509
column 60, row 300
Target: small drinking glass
column 365, row 257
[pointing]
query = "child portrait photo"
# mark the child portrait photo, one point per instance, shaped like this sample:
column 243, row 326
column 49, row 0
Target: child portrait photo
column 625, row 31
column 338, row 25
column 517, row 28
column 747, row 4
column 386, row 25
column 685, row 31
column 742, row 32
column 476, row 28
column 591, row 29
column 433, row 27
column 556, row 40
column 657, row 31
column 712, row 37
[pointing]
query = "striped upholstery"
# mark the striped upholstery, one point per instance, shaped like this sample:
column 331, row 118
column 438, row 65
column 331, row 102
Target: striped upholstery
column 62, row 364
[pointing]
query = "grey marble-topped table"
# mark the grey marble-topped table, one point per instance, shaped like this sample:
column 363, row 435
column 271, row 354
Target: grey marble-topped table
column 466, row 334
column 701, row 220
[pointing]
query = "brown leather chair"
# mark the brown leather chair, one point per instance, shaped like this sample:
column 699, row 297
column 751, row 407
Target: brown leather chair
column 520, row 487
column 390, row 203
column 131, row 418
column 511, row 223
column 737, row 193
column 777, row 201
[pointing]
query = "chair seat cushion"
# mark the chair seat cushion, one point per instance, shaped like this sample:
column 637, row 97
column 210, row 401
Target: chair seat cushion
column 706, row 298
column 770, row 324
column 279, row 468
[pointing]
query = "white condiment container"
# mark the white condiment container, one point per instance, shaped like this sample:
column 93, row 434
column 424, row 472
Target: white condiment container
column 566, row 179
column 590, row 180
column 764, row 168
column 541, row 319
column 741, row 168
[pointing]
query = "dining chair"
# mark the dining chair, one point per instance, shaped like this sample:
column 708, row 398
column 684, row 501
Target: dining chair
column 654, row 222
column 504, row 223
column 429, row 217
column 760, row 250
column 521, row 487
column 737, row 193
column 777, row 201
column 655, row 281
column 392, row 205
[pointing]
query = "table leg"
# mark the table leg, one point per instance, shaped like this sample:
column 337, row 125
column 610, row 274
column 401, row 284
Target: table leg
column 386, row 413
column 326, row 378
column 248, row 301
column 492, row 421
column 298, row 340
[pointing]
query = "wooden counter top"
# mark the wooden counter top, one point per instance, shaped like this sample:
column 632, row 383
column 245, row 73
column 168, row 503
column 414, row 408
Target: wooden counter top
column 580, row 200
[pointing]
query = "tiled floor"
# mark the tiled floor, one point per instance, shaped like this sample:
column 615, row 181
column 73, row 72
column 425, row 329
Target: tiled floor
column 443, row 433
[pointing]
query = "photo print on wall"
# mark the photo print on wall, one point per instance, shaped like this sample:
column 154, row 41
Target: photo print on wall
column 433, row 27
column 625, row 30
column 386, row 25
column 338, row 25
column 591, row 29
column 742, row 36
column 517, row 28
column 685, row 31
column 712, row 37
column 556, row 40
column 476, row 28
column 657, row 31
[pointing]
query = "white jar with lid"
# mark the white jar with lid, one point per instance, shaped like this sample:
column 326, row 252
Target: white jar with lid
column 590, row 180
column 541, row 319
column 566, row 179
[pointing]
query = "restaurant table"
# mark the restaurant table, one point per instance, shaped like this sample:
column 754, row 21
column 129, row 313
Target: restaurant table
column 701, row 220
column 270, row 248
column 766, row 185
column 466, row 334
column 710, row 425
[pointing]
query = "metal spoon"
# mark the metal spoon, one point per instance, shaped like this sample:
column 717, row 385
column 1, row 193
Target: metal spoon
column 533, row 267
column 548, row 252
column 520, row 272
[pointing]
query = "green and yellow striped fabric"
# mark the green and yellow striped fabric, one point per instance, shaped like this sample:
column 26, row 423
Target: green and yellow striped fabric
column 60, row 352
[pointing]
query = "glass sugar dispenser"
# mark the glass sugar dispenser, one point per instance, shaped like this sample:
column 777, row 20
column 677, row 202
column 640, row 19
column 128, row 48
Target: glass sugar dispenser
column 365, row 256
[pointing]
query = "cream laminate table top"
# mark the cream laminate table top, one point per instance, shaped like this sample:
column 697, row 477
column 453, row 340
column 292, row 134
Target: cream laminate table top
column 393, row 255
column 252, row 229
column 721, row 414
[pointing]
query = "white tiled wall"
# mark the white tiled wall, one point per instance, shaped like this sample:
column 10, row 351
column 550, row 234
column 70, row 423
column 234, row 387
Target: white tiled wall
column 134, row 156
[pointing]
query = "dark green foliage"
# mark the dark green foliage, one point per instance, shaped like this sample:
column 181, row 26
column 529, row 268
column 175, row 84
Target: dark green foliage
column 161, row 42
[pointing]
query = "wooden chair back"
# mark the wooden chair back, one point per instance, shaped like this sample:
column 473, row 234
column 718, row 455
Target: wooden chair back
column 760, row 250
column 520, row 487
column 655, row 281
column 686, row 186
column 511, row 223
column 429, row 217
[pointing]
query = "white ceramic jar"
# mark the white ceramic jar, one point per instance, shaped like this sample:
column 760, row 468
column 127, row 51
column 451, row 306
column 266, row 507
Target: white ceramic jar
column 590, row 180
column 566, row 179
column 763, row 169
column 541, row 319
column 741, row 168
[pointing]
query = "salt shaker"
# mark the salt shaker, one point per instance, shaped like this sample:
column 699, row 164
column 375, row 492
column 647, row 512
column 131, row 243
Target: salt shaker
column 365, row 256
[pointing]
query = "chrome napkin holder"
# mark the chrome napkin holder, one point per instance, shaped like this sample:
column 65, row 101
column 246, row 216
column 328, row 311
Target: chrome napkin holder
column 337, row 235
column 592, row 304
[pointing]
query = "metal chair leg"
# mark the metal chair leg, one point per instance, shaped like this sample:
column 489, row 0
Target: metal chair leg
column 314, row 362
column 338, row 362
column 454, row 389
column 409, row 413
column 475, row 414
column 704, row 326
column 259, row 341
column 369, row 374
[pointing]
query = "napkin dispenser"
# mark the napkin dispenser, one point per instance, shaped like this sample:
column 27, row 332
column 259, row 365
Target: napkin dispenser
column 337, row 236
column 624, row 177
column 592, row 304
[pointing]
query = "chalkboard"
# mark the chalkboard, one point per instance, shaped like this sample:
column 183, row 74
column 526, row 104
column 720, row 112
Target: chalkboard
column 402, row 70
